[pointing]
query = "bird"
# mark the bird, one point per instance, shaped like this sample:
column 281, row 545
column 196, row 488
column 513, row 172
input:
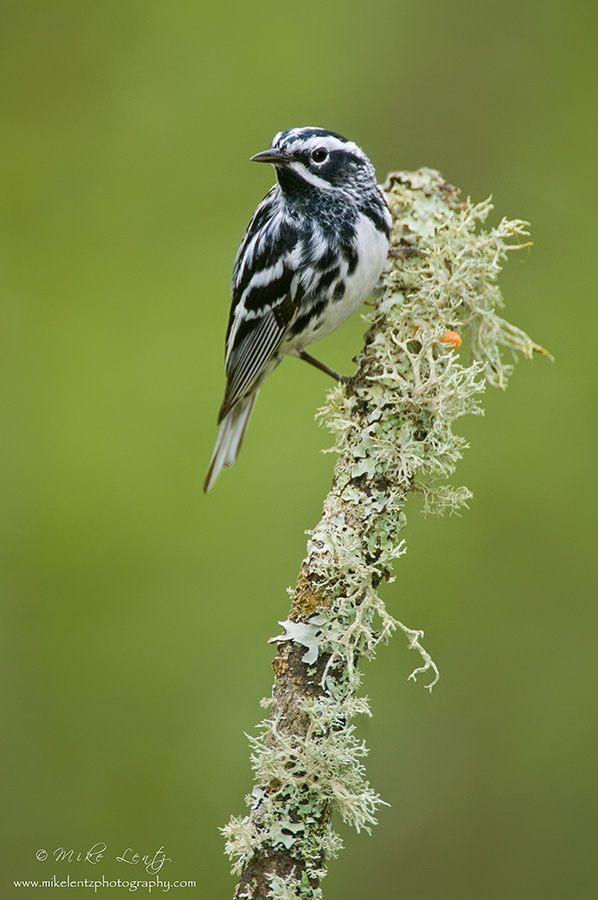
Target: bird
column 310, row 256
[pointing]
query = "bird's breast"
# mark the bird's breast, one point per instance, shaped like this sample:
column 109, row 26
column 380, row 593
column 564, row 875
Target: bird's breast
column 335, row 291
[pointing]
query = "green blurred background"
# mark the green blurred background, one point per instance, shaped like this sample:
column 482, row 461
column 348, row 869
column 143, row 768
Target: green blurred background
column 136, row 611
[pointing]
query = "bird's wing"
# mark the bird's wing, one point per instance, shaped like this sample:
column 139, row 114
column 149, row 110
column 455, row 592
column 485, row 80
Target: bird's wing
column 265, row 293
column 256, row 342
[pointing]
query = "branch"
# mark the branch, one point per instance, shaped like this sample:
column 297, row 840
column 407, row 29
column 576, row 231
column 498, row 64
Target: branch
column 393, row 424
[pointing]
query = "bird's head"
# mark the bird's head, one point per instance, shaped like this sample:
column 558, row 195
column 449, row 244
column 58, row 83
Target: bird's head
column 313, row 158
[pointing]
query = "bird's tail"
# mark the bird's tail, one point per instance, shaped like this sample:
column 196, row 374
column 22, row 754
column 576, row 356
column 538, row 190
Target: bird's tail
column 230, row 438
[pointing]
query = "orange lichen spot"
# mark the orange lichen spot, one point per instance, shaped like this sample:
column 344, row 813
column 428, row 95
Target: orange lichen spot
column 452, row 338
column 449, row 337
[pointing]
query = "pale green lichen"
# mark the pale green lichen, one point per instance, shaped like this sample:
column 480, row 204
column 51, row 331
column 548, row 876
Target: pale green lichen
column 288, row 888
column 393, row 428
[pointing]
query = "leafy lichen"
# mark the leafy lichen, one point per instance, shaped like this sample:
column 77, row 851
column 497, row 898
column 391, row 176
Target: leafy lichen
column 393, row 425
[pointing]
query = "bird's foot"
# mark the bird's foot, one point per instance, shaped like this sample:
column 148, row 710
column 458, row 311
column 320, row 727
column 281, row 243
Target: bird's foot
column 343, row 379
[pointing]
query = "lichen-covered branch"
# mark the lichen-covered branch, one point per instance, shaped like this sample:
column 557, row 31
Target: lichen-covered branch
column 393, row 424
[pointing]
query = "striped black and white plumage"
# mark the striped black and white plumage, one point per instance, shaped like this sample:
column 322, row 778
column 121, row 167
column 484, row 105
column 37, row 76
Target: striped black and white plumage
column 312, row 253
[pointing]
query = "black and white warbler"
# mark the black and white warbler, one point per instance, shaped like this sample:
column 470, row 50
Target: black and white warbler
column 312, row 253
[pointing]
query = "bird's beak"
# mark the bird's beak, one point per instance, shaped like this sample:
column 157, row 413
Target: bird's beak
column 270, row 156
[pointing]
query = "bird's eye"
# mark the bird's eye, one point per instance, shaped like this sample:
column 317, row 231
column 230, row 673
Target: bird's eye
column 319, row 154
